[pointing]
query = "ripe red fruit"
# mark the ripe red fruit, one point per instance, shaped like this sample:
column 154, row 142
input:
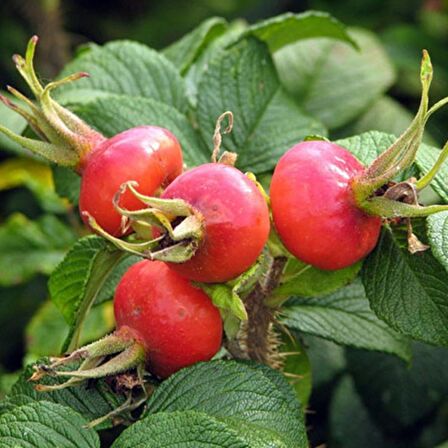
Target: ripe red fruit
column 314, row 209
column 236, row 221
column 176, row 323
column 150, row 155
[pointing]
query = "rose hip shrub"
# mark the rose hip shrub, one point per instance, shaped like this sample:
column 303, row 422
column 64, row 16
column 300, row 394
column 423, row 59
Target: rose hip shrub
column 252, row 242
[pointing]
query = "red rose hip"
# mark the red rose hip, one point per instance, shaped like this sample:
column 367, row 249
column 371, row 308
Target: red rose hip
column 314, row 209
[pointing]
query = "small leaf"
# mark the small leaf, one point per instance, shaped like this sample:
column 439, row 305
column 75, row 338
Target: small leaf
column 67, row 183
column 45, row 424
column 35, row 176
column 409, row 292
column 90, row 400
column 185, row 51
column 438, row 236
column 288, row 28
column 29, row 247
column 77, row 281
column 112, row 114
column 302, row 279
column 15, row 123
column 124, row 67
column 248, row 393
column 297, row 367
column 346, row 318
column 266, row 121
column 333, row 81
column 426, row 158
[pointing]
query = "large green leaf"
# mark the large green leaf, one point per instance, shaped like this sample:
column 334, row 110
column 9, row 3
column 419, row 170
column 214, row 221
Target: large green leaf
column 90, row 400
column 112, row 114
column 346, row 318
column 185, row 51
column 191, row 429
column 409, row 292
column 128, row 68
column 67, row 183
column 29, row 247
column 288, row 28
column 438, row 236
column 45, row 424
column 397, row 394
column 266, row 121
column 333, row 81
column 250, row 397
column 77, row 281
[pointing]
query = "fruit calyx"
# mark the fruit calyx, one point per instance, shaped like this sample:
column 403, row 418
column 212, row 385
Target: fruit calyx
column 126, row 351
column 180, row 225
column 227, row 157
column 369, row 187
column 65, row 138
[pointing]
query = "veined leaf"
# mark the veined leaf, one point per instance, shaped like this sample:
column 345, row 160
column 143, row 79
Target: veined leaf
column 266, row 121
column 185, row 51
column 127, row 68
column 45, row 424
column 438, row 236
column 409, row 292
column 346, row 318
column 77, row 281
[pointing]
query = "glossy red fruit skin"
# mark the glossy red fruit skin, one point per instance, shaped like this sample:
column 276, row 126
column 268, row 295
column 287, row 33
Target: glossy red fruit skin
column 236, row 221
column 150, row 155
column 314, row 209
column 176, row 323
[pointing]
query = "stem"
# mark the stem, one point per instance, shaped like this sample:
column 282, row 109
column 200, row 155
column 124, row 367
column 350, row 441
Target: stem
column 388, row 208
column 429, row 176
column 257, row 344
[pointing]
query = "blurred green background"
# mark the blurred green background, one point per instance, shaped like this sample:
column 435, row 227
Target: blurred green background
column 406, row 407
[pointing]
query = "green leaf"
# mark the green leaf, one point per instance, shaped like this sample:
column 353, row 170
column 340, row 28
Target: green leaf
column 426, row 158
column 77, row 281
column 67, row 183
column 288, row 28
column 438, row 236
column 29, row 247
column 297, row 367
column 115, row 113
column 333, row 81
column 90, row 400
column 34, row 175
column 266, row 121
column 351, row 426
column 191, row 429
column 185, row 51
column 45, row 424
column 409, row 292
column 344, row 317
column 398, row 395
column 128, row 68
column 302, row 279
column 249, row 394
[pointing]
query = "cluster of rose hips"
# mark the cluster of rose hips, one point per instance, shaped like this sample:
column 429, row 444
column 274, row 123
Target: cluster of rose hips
column 206, row 224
